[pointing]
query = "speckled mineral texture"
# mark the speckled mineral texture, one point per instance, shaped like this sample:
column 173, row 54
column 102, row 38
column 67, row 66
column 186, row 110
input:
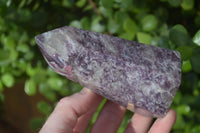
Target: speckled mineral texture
column 126, row 72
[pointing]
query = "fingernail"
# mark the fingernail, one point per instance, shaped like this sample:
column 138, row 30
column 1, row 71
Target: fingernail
column 84, row 91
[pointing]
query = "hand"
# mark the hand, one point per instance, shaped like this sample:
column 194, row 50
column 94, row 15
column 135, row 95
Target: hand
column 72, row 115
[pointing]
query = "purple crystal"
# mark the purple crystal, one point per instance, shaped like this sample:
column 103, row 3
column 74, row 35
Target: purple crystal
column 140, row 77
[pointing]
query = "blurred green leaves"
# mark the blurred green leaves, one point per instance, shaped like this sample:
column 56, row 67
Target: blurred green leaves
column 130, row 26
column 186, row 66
column 149, row 23
column 187, row 4
column 183, row 109
column 178, row 36
column 144, row 37
column 4, row 57
column 44, row 108
column 186, row 52
column 196, row 38
column 55, row 83
column 8, row 80
column 30, row 87
column 36, row 123
column 107, row 3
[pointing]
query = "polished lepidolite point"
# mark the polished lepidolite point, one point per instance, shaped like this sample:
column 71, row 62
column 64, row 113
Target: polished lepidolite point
column 141, row 77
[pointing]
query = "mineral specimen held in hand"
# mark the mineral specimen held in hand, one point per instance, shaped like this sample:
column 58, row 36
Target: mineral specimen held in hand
column 141, row 77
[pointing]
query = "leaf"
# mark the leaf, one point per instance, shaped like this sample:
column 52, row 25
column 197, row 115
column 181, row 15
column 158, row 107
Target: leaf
column 85, row 22
column 181, row 28
column 196, row 38
column 64, row 92
column 107, row 3
column 24, row 48
column 126, row 4
column 164, row 31
column 30, row 87
column 30, row 71
column 97, row 26
column 13, row 55
column 9, row 42
column 50, row 95
column 186, row 52
column 44, row 108
column 154, row 41
column 80, row 3
column 186, row 66
column 175, row 3
column 29, row 55
column 183, row 109
column 163, row 42
column 22, row 3
column 149, row 23
column 195, row 129
column 130, row 26
column 55, row 83
column 180, row 122
column 36, row 123
column 8, row 80
column 67, row 3
column 112, row 26
column 76, row 24
column 178, row 36
column 22, row 65
column 4, row 57
column 121, row 16
column 106, row 12
column 127, row 36
column 144, row 37
column 187, row 4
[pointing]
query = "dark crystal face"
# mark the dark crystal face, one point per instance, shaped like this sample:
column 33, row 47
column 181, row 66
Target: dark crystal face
column 126, row 72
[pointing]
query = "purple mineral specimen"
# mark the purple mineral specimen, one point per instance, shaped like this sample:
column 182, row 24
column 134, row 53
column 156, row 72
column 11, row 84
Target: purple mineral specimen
column 141, row 77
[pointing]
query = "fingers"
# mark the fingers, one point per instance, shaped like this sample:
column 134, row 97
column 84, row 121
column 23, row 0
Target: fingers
column 83, row 121
column 72, row 114
column 68, row 110
column 165, row 124
column 109, row 118
column 139, row 124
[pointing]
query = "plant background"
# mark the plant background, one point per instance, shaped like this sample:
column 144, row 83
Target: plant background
column 172, row 24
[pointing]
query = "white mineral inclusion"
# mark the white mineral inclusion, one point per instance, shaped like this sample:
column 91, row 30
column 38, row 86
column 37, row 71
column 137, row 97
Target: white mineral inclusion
column 143, row 77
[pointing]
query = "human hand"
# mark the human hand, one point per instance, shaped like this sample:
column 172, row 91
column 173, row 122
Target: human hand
column 72, row 115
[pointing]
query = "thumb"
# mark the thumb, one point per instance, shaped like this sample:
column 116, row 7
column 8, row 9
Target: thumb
column 68, row 110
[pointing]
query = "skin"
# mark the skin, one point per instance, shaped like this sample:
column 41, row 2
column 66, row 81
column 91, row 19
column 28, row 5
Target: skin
column 72, row 115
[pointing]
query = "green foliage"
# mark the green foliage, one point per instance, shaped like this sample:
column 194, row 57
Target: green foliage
column 149, row 23
column 178, row 36
column 30, row 87
column 8, row 80
column 44, row 108
column 144, row 37
column 187, row 4
column 36, row 123
column 172, row 24
column 196, row 38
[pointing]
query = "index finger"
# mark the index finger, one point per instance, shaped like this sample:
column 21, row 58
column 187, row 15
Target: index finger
column 164, row 124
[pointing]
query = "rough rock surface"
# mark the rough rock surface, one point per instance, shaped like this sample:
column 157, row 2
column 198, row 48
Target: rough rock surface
column 123, row 71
